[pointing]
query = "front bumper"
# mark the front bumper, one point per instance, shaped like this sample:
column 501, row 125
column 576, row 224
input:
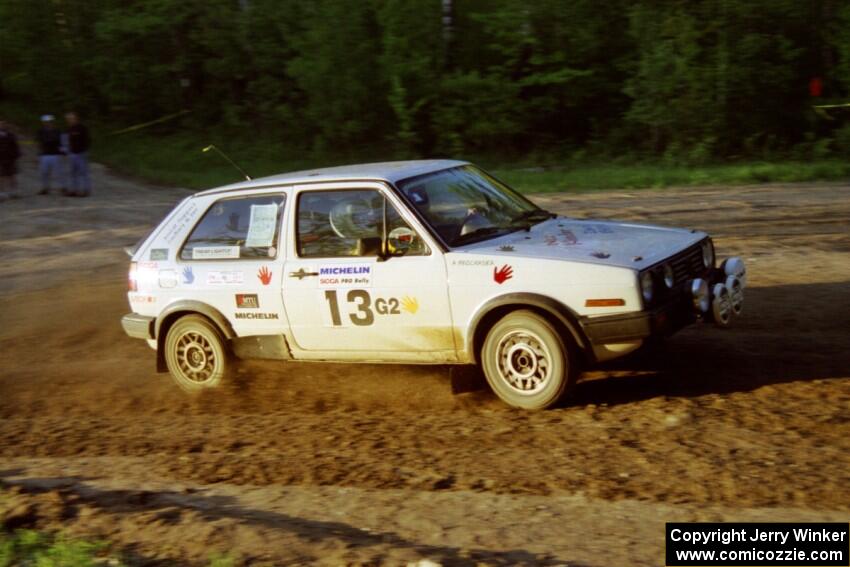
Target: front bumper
column 138, row 326
column 661, row 321
column 723, row 301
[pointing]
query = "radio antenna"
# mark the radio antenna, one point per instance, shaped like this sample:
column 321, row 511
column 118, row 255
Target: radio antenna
column 230, row 161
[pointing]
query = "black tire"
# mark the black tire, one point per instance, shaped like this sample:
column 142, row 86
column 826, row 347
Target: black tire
column 197, row 354
column 526, row 361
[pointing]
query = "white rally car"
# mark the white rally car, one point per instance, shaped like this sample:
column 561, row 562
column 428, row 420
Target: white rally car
column 432, row 262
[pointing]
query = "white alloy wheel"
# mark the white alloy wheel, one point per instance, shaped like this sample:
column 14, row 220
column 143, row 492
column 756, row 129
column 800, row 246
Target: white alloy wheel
column 196, row 353
column 526, row 362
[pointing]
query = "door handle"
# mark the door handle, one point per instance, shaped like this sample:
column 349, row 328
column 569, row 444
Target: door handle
column 301, row 274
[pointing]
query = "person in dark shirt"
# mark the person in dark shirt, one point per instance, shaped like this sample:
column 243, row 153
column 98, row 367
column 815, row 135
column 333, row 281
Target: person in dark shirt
column 9, row 154
column 78, row 147
column 50, row 160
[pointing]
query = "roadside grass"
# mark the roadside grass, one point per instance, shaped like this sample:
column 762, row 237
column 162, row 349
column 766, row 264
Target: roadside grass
column 177, row 159
column 42, row 549
column 161, row 154
column 590, row 177
column 28, row 547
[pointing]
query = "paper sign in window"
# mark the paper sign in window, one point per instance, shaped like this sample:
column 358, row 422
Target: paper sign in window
column 262, row 225
column 214, row 252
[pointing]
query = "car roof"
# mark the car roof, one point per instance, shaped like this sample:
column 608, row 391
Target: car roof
column 390, row 171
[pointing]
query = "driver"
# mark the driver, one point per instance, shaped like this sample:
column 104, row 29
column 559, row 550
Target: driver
column 358, row 222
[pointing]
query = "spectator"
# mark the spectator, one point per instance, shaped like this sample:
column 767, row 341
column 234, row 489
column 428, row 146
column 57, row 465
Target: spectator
column 50, row 160
column 78, row 142
column 9, row 154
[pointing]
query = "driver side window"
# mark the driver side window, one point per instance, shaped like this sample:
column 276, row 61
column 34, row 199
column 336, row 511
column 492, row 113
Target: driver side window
column 349, row 223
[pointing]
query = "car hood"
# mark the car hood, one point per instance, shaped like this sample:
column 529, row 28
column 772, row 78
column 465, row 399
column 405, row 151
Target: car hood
column 626, row 245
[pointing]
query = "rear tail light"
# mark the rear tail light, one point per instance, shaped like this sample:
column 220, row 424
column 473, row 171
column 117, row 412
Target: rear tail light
column 132, row 284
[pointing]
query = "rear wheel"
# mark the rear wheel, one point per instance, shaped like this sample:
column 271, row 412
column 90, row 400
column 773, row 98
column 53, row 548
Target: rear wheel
column 526, row 361
column 196, row 354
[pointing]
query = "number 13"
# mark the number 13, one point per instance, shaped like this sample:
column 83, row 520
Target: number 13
column 362, row 300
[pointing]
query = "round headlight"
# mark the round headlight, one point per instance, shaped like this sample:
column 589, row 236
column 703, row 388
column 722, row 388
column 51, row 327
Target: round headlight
column 646, row 285
column 669, row 278
column 707, row 254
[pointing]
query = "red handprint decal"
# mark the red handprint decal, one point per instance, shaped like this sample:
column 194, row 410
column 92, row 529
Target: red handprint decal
column 265, row 275
column 503, row 274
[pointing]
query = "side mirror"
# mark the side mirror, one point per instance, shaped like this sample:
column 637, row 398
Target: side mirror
column 399, row 241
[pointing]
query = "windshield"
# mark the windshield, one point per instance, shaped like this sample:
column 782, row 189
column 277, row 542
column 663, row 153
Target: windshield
column 464, row 205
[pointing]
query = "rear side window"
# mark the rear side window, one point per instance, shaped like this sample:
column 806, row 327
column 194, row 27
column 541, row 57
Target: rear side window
column 236, row 228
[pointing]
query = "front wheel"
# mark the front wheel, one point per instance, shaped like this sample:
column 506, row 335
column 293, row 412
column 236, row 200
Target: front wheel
column 526, row 362
column 196, row 353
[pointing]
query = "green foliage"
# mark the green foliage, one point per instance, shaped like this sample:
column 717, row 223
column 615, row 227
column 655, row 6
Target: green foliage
column 41, row 549
column 218, row 560
column 666, row 82
column 27, row 547
column 411, row 58
column 842, row 140
column 681, row 81
column 711, row 74
column 839, row 40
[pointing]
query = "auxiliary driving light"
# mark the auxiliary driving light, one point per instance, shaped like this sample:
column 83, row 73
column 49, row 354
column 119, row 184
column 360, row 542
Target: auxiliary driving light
column 721, row 305
column 699, row 292
column 736, row 294
column 734, row 266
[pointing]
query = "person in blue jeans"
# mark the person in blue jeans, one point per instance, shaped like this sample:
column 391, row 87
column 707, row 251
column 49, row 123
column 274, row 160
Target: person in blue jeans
column 50, row 158
column 78, row 142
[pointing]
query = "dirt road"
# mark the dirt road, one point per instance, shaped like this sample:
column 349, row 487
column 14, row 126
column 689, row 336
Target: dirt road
column 306, row 463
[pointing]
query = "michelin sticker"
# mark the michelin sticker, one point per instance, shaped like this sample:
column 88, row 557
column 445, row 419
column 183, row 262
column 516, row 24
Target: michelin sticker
column 345, row 275
column 225, row 278
column 262, row 225
column 239, row 315
column 215, row 252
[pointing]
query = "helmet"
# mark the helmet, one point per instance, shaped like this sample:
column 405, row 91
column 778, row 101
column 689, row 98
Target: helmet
column 355, row 218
